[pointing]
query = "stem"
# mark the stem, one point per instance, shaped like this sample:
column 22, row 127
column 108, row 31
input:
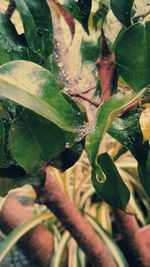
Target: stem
column 10, row 9
column 53, row 197
column 89, row 90
column 37, row 244
column 107, row 70
column 134, row 242
column 92, row 102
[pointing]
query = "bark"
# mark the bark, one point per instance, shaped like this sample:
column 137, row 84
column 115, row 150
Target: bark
column 53, row 197
column 134, row 241
column 37, row 244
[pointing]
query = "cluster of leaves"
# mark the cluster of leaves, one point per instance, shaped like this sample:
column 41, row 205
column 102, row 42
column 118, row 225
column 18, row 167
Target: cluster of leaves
column 40, row 125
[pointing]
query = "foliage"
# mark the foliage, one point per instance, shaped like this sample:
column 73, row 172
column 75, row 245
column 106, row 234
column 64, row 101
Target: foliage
column 43, row 124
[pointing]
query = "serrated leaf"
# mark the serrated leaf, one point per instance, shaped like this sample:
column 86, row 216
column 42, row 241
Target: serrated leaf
column 105, row 116
column 34, row 141
column 38, row 27
column 33, row 87
column 145, row 124
column 113, row 190
column 122, row 10
column 11, row 45
column 134, row 62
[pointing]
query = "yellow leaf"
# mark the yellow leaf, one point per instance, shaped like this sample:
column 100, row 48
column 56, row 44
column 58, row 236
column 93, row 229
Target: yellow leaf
column 145, row 124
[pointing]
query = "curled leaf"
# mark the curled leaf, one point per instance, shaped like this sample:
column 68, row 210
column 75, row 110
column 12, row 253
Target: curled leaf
column 145, row 124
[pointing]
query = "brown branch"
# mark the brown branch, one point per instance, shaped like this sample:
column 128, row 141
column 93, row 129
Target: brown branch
column 134, row 242
column 89, row 90
column 53, row 197
column 91, row 101
column 135, row 103
column 10, row 9
column 37, row 244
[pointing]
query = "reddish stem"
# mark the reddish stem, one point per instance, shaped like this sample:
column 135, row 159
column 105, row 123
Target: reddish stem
column 53, row 197
column 37, row 244
column 135, row 243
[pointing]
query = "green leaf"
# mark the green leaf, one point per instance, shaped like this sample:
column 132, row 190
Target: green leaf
column 105, row 116
column 122, row 10
column 68, row 157
column 133, row 55
column 85, row 8
column 34, row 141
column 33, row 87
column 108, row 241
column 81, row 258
column 19, row 231
column 126, row 130
column 58, row 255
column 79, row 10
column 37, row 23
column 11, row 45
column 90, row 51
column 113, row 190
column 5, row 122
column 100, row 15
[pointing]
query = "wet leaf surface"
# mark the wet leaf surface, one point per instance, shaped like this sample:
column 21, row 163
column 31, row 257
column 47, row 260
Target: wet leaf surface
column 37, row 26
column 11, row 45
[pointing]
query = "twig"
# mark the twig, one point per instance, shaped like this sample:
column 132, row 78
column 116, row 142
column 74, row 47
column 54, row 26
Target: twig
column 89, row 90
column 92, row 102
column 10, row 9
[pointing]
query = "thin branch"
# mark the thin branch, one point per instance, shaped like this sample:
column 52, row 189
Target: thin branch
column 89, row 90
column 91, row 101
